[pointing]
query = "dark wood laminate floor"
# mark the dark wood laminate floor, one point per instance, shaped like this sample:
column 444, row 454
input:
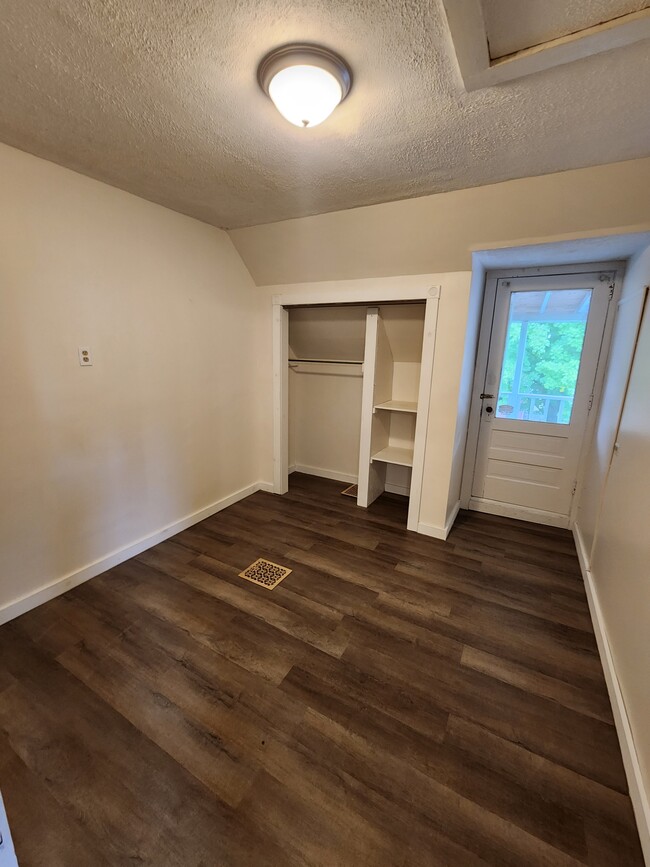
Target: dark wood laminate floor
column 395, row 701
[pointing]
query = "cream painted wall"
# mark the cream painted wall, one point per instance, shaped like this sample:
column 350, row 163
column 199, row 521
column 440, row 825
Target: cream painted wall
column 438, row 233
column 621, row 552
column 164, row 423
column 335, row 333
column 612, row 521
column 325, row 421
column 628, row 315
column 325, row 400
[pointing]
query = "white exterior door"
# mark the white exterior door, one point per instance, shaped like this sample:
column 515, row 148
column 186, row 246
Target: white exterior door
column 546, row 335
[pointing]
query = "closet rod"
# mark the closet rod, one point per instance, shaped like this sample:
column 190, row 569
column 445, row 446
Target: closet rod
column 320, row 361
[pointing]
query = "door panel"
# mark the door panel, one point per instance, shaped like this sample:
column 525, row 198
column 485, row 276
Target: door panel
column 526, row 447
column 546, row 336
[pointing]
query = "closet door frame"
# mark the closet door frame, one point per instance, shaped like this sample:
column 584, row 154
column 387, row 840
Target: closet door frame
column 422, row 418
column 416, row 289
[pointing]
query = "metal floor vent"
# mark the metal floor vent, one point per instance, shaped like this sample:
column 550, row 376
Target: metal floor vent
column 265, row 573
column 351, row 491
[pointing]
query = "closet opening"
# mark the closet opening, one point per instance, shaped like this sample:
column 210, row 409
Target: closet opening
column 352, row 395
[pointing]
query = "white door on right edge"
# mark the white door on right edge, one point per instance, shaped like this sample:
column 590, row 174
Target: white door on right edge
column 545, row 343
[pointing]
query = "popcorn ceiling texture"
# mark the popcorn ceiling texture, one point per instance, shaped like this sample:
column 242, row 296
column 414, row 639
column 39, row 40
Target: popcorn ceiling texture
column 160, row 98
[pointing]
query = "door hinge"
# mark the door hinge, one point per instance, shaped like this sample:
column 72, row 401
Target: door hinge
column 611, row 292
column 591, row 402
column 575, row 487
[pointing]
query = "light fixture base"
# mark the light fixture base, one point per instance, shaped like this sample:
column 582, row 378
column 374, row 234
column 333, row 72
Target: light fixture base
column 304, row 54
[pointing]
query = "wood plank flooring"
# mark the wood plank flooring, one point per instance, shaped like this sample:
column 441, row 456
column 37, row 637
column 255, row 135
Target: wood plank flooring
column 394, row 701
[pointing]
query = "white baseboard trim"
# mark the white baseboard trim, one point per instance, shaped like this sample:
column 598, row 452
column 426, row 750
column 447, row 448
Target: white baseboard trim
column 452, row 517
column 440, row 532
column 402, row 490
column 520, row 513
column 638, row 794
column 19, row 606
column 336, row 475
column 432, row 530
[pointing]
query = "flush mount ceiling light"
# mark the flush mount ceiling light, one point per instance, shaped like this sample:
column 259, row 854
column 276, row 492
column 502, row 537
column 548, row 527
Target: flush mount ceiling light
column 305, row 82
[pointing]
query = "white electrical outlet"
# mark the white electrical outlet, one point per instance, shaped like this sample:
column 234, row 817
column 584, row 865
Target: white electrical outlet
column 85, row 356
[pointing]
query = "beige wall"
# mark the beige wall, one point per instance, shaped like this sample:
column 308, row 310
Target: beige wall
column 621, row 351
column 437, row 233
column 615, row 507
column 325, row 421
column 621, row 553
column 164, row 423
column 325, row 400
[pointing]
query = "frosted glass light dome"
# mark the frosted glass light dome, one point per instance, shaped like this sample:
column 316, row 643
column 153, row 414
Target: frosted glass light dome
column 305, row 82
column 305, row 95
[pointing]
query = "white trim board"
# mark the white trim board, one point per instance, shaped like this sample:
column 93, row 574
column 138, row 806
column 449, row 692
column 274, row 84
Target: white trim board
column 402, row 490
column 422, row 417
column 335, row 475
column 415, row 288
column 519, row 513
column 280, row 399
column 638, row 794
column 11, row 610
column 440, row 532
column 348, row 478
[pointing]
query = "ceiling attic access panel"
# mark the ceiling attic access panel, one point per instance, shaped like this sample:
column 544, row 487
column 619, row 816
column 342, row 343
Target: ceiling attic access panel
column 495, row 43
column 509, row 31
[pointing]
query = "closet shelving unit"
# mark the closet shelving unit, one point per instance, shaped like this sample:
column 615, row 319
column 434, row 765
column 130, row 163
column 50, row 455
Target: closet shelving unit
column 398, row 455
column 398, row 405
column 391, row 425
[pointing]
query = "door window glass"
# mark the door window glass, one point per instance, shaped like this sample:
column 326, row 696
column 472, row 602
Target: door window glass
column 544, row 340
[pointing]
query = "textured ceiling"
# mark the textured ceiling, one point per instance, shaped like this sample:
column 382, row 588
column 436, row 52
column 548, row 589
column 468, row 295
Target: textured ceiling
column 160, row 98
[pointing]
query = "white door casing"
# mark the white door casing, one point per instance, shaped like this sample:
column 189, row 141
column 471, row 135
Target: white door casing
column 529, row 444
column 394, row 290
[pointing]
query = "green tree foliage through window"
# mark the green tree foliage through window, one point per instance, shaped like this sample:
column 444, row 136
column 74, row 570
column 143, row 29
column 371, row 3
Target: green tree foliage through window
column 551, row 358
column 541, row 357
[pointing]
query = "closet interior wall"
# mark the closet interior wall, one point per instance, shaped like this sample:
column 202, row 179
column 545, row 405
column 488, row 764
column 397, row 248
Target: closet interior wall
column 326, row 348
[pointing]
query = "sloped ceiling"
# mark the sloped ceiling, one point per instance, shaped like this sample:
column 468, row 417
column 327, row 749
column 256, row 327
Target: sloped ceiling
column 160, row 98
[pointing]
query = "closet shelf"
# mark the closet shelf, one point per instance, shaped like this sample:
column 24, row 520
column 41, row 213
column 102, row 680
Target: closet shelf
column 398, row 405
column 394, row 455
column 322, row 361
